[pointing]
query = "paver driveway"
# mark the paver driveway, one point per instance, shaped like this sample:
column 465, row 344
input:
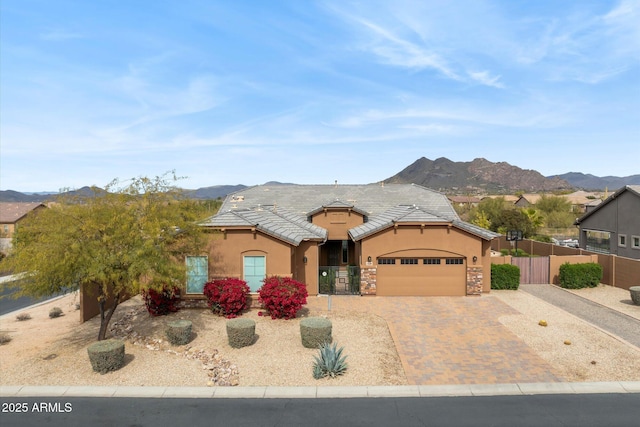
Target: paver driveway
column 452, row 340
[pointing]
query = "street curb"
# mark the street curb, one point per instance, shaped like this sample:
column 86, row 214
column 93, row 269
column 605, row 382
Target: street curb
column 516, row 389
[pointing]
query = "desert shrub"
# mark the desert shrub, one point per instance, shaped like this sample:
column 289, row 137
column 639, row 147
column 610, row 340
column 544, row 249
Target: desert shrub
column 513, row 252
column 23, row 316
column 4, row 338
column 505, row 276
column 329, row 362
column 178, row 332
column 241, row 332
column 161, row 302
column 55, row 312
column 106, row 355
column 282, row 297
column 577, row 276
column 315, row 331
column 227, row 297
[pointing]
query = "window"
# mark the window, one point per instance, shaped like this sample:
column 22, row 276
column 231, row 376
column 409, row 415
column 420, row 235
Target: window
column 635, row 242
column 622, row 240
column 345, row 252
column 387, row 261
column 408, row 261
column 197, row 273
column 431, row 261
column 598, row 241
column 454, row 261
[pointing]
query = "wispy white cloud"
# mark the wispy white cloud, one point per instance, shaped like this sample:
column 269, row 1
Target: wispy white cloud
column 485, row 78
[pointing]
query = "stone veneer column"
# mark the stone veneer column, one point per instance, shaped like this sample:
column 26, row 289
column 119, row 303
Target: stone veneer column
column 368, row 280
column 474, row 280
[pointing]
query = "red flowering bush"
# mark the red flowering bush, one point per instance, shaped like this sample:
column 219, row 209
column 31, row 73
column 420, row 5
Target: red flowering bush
column 227, row 297
column 282, row 297
column 161, row 302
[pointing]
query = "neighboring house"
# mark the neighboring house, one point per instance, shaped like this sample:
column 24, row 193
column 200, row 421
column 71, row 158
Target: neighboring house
column 526, row 200
column 464, row 200
column 364, row 239
column 613, row 227
column 508, row 198
column 10, row 216
column 580, row 200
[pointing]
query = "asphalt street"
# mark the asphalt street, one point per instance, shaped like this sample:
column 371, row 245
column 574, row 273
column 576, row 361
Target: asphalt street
column 584, row 410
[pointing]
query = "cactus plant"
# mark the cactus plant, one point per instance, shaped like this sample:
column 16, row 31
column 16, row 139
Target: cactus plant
column 329, row 362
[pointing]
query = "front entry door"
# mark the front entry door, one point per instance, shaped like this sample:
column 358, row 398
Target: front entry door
column 255, row 270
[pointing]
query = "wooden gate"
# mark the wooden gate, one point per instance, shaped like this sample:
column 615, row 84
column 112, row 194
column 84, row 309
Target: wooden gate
column 532, row 269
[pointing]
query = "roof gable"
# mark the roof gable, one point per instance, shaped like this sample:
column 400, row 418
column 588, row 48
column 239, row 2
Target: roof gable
column 280, row 224
column 632, row 189
column 13, row 212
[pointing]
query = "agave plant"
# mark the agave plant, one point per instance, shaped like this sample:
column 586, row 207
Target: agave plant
column 329, row 362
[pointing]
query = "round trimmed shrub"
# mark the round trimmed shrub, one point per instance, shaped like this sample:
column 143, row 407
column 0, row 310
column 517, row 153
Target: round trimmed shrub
column 315, row 331
column 106, row 355
column 178, row 332
column 635, row 294
column 241, row 332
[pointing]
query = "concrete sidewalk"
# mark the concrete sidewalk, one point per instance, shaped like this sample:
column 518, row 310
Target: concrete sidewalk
column 323, row 392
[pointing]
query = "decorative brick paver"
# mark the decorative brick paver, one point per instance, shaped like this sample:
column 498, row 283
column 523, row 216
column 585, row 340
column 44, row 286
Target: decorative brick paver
column 451, row 340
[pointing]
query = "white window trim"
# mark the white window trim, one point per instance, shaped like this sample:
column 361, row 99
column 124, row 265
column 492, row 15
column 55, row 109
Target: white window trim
column 633, row 246
column 622, row 240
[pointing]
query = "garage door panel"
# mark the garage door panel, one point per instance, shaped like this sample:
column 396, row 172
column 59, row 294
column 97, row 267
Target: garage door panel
column 421, row 280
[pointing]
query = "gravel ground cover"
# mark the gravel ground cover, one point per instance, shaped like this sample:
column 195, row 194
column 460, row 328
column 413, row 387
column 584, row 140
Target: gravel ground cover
column 615, row 298
column 45, row 351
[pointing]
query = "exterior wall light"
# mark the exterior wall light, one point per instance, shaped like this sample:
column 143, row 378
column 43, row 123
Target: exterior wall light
column 369, row 259
column 304, row 259
column 475, row 258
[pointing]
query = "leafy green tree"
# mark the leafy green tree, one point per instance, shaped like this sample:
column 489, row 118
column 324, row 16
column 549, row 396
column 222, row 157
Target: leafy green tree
column 481, row 220
column 535, row 217
column 556, row 210
column 548, row 204
column 109, row 244
column 489, row 209
column 514, row 219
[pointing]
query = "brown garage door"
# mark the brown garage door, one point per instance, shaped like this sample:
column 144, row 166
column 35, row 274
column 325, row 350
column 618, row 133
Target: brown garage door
column 421, row 277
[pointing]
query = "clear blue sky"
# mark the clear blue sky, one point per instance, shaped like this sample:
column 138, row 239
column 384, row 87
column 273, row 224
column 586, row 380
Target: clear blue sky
column 229, row 92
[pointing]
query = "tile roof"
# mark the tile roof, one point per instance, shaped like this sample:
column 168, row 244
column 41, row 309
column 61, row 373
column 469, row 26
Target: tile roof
column 371, row 198
column 412, row 214
column 283, row 210
column 278, row 223
column 12, row 212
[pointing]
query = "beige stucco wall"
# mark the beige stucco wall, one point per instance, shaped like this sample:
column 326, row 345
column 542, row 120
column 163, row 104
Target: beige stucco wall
column 429, row 241
column 337, row 222
column 227, row 249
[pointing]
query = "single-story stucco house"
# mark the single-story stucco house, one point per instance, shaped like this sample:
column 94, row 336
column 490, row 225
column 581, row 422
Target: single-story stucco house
column 364, row 239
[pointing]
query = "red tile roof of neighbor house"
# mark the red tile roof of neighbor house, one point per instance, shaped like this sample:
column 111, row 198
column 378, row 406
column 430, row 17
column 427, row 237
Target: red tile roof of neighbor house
column 12, row 212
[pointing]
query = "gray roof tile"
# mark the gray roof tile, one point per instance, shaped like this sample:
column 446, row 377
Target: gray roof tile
column 282, row 210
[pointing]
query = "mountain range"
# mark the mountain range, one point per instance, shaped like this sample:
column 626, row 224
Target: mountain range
column 479, row 176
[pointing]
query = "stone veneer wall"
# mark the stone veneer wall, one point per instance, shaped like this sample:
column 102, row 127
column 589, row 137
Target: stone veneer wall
column 368, row 280
column 474, row 280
